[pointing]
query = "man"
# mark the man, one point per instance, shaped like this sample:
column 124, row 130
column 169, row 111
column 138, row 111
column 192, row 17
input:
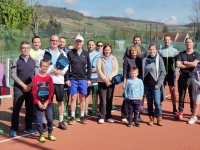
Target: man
column 94, row 84
column 23, row 69
column 35, row 50
column 70, row 47
column 53, row 54
column 62, row 44
column 168, row 53
column 100, row 46
column 143, row 54
column 137, row 41
column 78, row 77
column 186, row 61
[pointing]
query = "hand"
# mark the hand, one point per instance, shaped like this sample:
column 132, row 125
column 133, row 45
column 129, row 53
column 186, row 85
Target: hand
column 106, row 80
column 45, row 104
column 68, row 83
column 94, row 69
column 88, row 83
column 26, row 88
column 53, row 70
column 156, row 87
column 108, row 83
column 58, row 72
column 124, row 84
column 40, row 105
column 196, row 60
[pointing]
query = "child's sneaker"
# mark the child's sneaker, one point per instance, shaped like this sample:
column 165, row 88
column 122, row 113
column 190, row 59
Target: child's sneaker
column 42, row 138
column 51, row 137
column 62, row 125
column 192, row 120
column 72, row 121
column 13, row 133
column 180, row 115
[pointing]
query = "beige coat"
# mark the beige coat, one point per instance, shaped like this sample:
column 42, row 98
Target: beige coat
column 101, row 69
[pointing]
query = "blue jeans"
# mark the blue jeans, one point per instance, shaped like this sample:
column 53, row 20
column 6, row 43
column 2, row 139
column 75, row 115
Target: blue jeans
column 153, row 95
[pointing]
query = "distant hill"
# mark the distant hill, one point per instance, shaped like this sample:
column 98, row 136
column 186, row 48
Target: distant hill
column 73, row 21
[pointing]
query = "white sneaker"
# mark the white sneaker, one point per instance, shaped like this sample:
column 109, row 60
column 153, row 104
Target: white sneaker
column 101, row 121
column 192, row 120
column 110, row 120
column 124, row 120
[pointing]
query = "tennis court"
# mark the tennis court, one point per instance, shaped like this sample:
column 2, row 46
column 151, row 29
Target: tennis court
column 175, row 134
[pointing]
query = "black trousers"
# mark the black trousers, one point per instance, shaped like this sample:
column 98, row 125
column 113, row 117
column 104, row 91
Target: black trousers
column 124, row 109
column 133, row 107
column 106, row 98
column 48, row 115
column 19, row 97
column 184, row 83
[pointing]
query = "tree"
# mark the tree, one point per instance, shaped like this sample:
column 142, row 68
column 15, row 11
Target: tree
column 54, row 26
column 195, row 17
column 15, row 14
column 197, row 36
column 165, row 29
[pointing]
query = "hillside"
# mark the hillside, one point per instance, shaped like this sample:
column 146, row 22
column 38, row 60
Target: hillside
column 73, row 21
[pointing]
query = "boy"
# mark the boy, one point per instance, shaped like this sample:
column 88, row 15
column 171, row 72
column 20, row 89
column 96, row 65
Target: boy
column 43, row 89
column 134, row 91
column 196, row 78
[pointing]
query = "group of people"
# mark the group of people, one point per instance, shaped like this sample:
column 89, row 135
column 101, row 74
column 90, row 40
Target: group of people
column 40, row 74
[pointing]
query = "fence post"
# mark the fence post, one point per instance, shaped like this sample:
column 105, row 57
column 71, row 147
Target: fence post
column 8, row 72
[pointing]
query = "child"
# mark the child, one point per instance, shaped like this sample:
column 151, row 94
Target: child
column 134, row 91
column 196, row 78
column 43, row 89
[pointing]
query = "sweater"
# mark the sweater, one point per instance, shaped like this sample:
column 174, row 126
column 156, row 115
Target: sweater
column 196, row 75
column 22, row 71
column 101, row 69
column 130, row 62
column 57, row 79
column 44, row 81
column 134, row 88
column 35, row 53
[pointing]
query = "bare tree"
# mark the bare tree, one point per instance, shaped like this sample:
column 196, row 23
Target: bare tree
column 37, row 19
column 195, row 17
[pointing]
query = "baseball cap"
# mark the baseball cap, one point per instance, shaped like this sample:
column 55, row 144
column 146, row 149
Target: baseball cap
column 79, row 37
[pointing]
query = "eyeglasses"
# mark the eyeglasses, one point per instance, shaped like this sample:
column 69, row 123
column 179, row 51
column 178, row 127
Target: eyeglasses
column 54, row 40
column 100, row 45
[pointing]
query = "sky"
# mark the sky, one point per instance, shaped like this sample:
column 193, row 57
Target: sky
column 171, row 12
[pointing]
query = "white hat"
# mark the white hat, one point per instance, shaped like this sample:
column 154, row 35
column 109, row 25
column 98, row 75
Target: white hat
column 79, row 37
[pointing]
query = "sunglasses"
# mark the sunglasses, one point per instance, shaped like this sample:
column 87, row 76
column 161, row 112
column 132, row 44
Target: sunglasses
column 100, row 45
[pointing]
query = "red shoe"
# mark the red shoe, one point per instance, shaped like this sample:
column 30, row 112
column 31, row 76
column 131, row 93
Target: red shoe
column 180, row 115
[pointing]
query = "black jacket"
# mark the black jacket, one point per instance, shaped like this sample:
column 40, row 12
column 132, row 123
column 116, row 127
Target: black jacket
column 130, row 62
column 79, row 66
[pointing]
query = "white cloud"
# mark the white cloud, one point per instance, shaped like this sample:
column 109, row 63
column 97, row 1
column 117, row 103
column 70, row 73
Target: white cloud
column 108, row 7
column 129, row 12
column 71, row 2
column 170, row 21
column 85, row 12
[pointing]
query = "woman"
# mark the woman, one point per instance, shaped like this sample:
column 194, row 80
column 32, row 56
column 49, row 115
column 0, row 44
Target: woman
column 133, row 60
column 107, row 68
column 153, row 77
